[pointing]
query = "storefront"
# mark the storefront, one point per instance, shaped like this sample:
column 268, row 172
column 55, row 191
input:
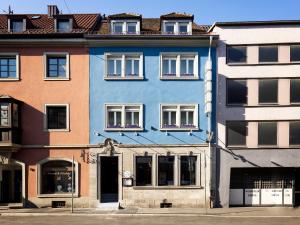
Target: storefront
column 264, row 187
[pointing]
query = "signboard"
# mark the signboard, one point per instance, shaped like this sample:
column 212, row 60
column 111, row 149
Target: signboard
column 288, row 196
column 236, row 197
column 252, row 196
column 271, row 196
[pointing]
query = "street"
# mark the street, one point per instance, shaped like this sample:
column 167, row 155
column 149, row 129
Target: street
column 147, row 220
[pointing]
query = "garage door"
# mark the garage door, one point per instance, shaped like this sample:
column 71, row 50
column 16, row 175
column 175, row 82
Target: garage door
column 261, row 187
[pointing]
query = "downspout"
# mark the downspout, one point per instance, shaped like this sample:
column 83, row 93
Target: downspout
column 208, row 111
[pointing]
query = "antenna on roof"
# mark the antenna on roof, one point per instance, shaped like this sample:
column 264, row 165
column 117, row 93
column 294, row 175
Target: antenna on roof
column 10, row 11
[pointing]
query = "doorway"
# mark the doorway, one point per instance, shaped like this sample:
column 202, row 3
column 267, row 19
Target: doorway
column 109, row 176
column 11, row 186
column 297, row 188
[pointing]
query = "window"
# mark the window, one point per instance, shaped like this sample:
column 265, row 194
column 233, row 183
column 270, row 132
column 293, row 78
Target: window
column 237, row 92
column 124, row 66
column 268, row 54
column 57, row 117
column 183, row 28
column 170, row 28
column 179, row 117
column 268, row 91
column 63, row 25
column 177, row 27
column 16, row 25
column 56, row 177
column 57, row 66
column 9, row 66
column 4, row 115
column 294, row 132
column 267, row 133
column 179, row 66
column 236, row 54
column 295, row 91
column 165, row 170
column 125, row 27
column 124, row 117
column 188, row 170
column 143, row 171
column 295, row 53
column 236, row 133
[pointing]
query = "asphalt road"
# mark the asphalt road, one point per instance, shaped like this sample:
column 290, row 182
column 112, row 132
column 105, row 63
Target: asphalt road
column 145, row 220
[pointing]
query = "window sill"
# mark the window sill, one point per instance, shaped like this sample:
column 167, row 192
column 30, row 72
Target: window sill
column 56, row 79
column 165, row 187
column 57, row 195
column 57, row 130
column 124, row 129
column 123, row 78
column 9, row 79
column 179, row 78
column 267, row 146
column 180, row 129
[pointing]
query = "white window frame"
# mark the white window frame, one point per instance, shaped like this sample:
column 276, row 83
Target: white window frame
column 176, row 26
column 123, row 110
column 17, row 66
column 124, row 56
column 124, row 26
column 179, row 56
column 10, row 21
column 39, row 178
column 58, row 54
column 67, row 119
column 178, row 117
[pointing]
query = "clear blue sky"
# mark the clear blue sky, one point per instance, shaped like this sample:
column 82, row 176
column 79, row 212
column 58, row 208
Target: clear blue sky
column 205, row 11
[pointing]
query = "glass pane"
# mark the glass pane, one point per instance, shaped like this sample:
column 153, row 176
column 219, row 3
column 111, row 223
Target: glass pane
column 129, row 121
column 53, row 73
column 136, row 67
column 52, row 61
column 173, row 67
column 183, row 28
column 118, row 69
column 118, row 121
column 3, row 62
column 12, row 68
column 136, row 120
column 12, row 62
column 56, row 177
column 118, row 27
column 268, row 91
column 165, row 170
column 191, row 67
column 165, row 67
column 295, row 91
column 110, row 69
column 237, row 92
column 267, row 133
column 131, row 28
column 295, row 53
column 63, row 26
column 165, row 119
column 183, row 116
column 129, row 67
column 17, row 26
column 191, row 118
column 111, row 121
column 170, row 28
column 62, row 61
column 173, row 118
column 143, row 170
column 268, row 53
column 236, row 54
column 183, row 67
column 236, row 133
column 188, row 170
column 56, row 117
column 295, row 133
column 3, row 74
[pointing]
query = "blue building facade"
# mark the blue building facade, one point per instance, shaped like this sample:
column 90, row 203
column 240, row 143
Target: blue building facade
column 148, row 111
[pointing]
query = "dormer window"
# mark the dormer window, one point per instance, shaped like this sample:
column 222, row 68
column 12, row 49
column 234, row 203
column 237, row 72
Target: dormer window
column 177, row 27
column 125, row 27
column 16, row 25
column 63, row 25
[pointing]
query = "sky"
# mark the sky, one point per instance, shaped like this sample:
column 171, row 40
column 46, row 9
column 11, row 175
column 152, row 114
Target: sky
column 205, row 11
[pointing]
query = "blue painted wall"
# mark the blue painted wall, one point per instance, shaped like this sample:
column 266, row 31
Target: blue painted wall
column 150, row 92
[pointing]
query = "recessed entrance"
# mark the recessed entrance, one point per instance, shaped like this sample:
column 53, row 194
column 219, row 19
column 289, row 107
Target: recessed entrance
column 10, row 184
column 109, row 175
column 297, row 188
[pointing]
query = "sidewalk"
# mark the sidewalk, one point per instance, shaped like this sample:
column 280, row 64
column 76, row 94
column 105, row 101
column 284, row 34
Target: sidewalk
column 219, row 212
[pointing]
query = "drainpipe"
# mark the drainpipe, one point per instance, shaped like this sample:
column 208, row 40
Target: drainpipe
column 208, row 107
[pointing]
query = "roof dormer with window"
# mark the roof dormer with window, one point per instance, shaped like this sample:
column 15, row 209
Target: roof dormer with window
column 16, row 24
column 63, row 24
column 125, row 24
column 177, row 24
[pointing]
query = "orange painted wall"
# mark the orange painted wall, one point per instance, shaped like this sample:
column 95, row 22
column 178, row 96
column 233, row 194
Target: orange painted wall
column 34, row 91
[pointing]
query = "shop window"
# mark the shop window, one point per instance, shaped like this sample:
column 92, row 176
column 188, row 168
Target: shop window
column 143, row 171
column 165, row 170
column 56, row 177
column 188, row 170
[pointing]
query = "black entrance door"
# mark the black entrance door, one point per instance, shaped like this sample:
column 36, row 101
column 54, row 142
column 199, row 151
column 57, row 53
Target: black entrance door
column 6, row 186
column 109, row 179
column 297, row 187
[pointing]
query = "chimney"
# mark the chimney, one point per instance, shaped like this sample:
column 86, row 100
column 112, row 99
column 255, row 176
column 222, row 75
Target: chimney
column 52, row 10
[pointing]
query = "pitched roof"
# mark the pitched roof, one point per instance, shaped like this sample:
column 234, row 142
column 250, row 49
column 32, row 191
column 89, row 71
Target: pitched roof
column 42, row 24
column 177, row 15
column 125, row 16
column 149, row 26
